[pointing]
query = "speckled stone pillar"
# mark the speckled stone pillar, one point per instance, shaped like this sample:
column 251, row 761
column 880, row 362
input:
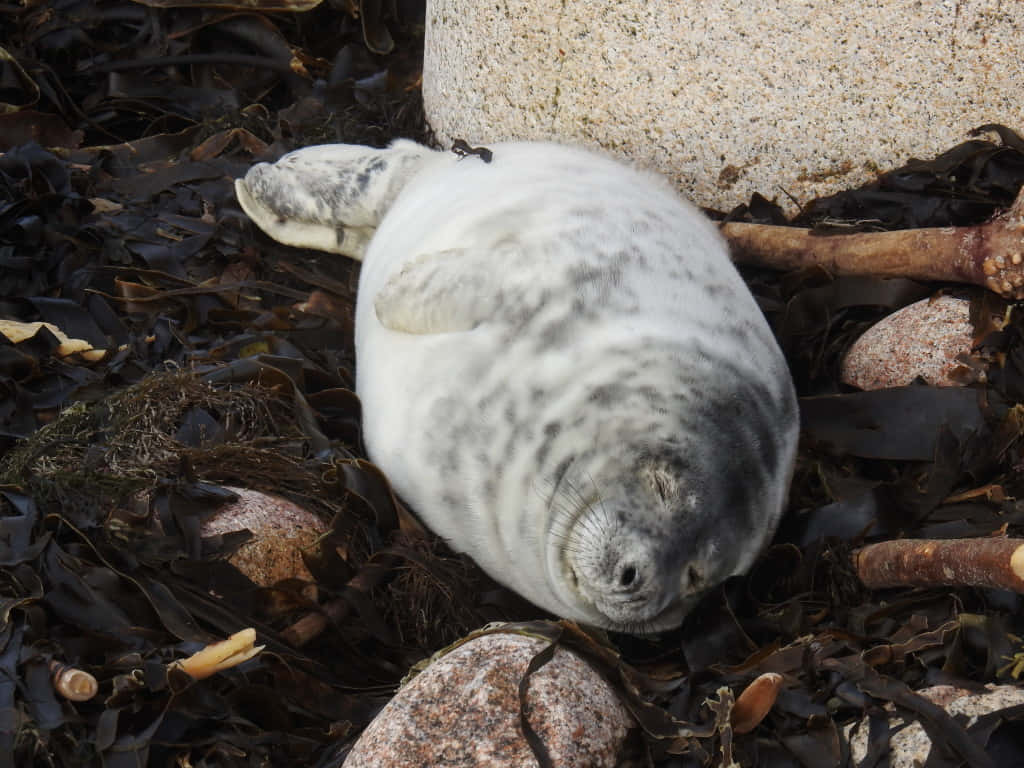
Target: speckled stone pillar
column 728, row 97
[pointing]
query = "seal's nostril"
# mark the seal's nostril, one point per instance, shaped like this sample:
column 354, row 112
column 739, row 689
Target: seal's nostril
column 628, row 576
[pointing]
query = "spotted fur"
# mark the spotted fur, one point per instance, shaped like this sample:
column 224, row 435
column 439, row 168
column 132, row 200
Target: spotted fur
column 560, row 369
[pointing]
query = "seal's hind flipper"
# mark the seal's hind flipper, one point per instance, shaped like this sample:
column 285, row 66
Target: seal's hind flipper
column 329, row 197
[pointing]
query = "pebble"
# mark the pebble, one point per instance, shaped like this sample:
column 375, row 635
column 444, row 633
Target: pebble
column 463, row 710
column 921, row 340
column 281, row 530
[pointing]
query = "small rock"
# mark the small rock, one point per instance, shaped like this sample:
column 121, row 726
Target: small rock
column 920, row 340
column 463, row 711
column 910, row 747
column 281, row 530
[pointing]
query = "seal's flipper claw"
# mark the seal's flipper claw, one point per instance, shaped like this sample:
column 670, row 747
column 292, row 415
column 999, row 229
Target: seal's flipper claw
column 329, row 197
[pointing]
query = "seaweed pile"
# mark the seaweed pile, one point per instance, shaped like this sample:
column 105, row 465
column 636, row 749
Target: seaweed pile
column 156, row 348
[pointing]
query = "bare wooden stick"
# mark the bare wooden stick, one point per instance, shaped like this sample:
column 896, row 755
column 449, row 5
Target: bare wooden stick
column 990, row 254
column 373, row 573
column 988, row 562
column 313, row 624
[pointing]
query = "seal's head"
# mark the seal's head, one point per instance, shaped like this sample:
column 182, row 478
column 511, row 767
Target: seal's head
column 640, row 542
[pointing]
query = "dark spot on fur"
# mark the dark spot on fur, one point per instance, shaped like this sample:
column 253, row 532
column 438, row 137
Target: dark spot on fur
column 628, row 375
column 718, row 290
column 551, row 431
column 559, row 473
column 584, row 274
column 375, row 166
column 555, row 333
column 451, row 462
column 606, row 394
column 654, row 398
column 742, row 332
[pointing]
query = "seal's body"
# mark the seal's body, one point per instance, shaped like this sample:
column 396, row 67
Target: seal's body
column 559, row 366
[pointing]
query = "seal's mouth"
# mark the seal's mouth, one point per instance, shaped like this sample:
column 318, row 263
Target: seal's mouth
column 634, row 621
column 644, row 610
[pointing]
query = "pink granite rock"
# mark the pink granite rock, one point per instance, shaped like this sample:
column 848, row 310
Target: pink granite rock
column 281, row 530
column 910, row 747
column 922, row 339
column 463, row 711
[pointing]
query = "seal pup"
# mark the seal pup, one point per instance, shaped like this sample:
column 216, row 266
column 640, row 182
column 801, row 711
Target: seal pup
column 560, row 368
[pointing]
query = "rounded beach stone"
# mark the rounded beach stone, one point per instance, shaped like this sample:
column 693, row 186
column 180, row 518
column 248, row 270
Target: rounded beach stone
column 463, row 711
column 921, row 340
column 910, row 746
column 281, row 530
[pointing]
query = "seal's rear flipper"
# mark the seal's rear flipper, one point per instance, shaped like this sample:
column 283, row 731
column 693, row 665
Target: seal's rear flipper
column 329, row 197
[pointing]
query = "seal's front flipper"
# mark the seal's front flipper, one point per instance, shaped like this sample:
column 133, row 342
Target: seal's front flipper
column 329, row 197
column 451, row 291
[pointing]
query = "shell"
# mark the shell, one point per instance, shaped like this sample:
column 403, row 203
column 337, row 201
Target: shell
column 756, row 701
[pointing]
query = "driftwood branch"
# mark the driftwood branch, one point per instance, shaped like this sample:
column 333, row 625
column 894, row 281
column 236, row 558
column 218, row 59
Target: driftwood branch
column 988, row 562
column 374, row 573
column 313, row 624
column 989, row 255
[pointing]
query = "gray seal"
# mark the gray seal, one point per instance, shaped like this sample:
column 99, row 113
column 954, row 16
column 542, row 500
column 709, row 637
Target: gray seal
column 560, row 368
